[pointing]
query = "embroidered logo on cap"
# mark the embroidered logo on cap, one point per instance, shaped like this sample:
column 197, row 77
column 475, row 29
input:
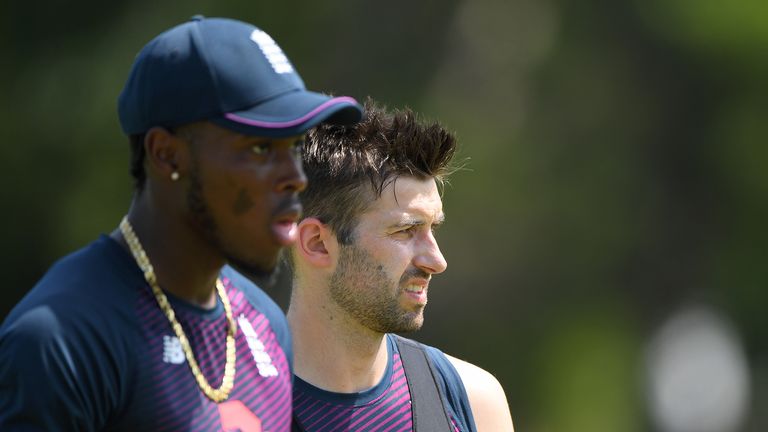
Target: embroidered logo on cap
column 272, row 52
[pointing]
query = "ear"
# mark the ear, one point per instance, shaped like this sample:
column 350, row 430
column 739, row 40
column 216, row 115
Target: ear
column 165, row 153
column 316, row 243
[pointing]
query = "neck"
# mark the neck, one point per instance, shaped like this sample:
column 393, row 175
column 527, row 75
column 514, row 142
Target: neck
column 331, row 350
column 185, row 264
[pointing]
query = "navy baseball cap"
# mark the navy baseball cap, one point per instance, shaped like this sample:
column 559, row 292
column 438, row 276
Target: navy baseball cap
column 230, row 73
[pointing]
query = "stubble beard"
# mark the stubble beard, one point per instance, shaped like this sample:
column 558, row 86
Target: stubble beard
column 201, row 215
column 362, row 288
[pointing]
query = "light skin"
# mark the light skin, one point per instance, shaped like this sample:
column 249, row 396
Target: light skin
column 235, row 201
column 347, row 297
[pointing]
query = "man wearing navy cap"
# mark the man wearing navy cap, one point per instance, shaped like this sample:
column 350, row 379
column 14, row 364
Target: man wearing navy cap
column 151, row 327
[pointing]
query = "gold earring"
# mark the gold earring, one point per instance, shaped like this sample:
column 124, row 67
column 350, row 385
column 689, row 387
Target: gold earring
column 174, row 176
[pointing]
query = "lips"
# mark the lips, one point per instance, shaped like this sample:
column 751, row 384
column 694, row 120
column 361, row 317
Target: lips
column 416, row 292
column 414, row 289
column 285, row 232
column 284, row 226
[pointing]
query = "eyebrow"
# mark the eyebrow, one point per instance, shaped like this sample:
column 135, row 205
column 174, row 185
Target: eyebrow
column 257, row 140
column 416, row 221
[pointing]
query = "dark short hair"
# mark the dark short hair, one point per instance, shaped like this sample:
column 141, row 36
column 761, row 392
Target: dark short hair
column 348, row 167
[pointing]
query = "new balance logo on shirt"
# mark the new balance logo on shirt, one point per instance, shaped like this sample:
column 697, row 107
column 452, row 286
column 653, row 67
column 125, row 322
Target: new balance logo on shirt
column 172, row 352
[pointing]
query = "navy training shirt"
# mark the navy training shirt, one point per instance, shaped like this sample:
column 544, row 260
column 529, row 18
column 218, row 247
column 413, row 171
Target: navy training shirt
column 385, row 406
column 88, row 349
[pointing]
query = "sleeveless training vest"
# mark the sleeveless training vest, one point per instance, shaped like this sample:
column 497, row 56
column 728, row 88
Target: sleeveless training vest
column 427, row 409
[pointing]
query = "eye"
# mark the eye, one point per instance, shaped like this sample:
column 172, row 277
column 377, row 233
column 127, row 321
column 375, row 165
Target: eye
column 262, row 149
column 297, row 147
column 407, row 232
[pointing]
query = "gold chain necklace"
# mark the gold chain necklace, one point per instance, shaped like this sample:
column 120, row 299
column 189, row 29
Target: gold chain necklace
column 217, row 395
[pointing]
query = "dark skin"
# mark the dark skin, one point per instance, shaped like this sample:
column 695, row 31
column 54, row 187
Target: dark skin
column 235, row 202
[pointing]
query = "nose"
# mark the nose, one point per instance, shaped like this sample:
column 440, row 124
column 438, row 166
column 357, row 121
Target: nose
column 429, row 258
column 292, row 177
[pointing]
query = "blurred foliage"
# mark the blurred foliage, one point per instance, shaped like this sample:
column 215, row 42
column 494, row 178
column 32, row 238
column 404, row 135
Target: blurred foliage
column 616, row 166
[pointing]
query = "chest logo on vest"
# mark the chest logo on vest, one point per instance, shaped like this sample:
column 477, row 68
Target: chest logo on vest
column 172, row 352
column 259, row 352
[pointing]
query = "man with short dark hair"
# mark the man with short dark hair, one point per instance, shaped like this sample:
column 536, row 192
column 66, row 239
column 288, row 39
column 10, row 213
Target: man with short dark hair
column 364, row 257
column 149, row 328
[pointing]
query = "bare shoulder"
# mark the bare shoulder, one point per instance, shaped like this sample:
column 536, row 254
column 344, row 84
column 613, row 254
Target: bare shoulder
column 486, row 397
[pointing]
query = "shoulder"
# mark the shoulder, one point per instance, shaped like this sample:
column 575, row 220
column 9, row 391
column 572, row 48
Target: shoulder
column 80, row 312
column 252, row 292
column 99, row 272
column 256, row 296
column 79, row 318
column 88, row 292
column 486, row 397
column 91, row 291
column 264, row 304
column 83, row 364
column 448, row 380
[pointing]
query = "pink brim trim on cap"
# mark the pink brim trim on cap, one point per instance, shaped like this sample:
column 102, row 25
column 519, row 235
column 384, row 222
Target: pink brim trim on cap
column 300, row 120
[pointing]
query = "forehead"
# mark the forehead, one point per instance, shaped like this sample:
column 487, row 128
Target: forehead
column 407, row 197
column 206, row 132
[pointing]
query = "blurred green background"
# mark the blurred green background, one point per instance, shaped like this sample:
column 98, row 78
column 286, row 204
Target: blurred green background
column 616, row 175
